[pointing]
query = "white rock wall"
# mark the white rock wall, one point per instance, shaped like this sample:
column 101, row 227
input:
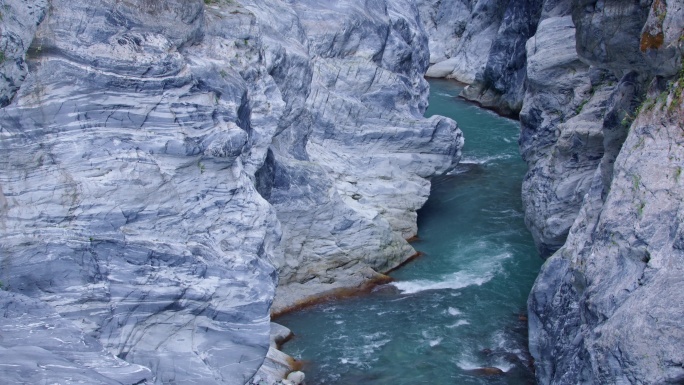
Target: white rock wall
column 163, row 163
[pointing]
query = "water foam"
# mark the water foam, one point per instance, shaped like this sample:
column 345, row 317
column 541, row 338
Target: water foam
column 458, row 323
column 454, row 281
column 503, row 365
column 467, row 364
column 373, row 342
column 484, row 159
column 453, row 311
column 362, row 354
column 478, row 272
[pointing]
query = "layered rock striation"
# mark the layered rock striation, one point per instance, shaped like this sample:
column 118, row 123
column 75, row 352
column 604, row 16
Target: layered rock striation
column 607, row 306
column 598, row 88
column 562, row 121
column 461, row 34
column 163, row 163
column 350, row 170
column 482, row 43
column 501, row 84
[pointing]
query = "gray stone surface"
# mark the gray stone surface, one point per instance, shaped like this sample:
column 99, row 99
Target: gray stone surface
column 482, row 43
column 296, row 377
column 274, row 369
column 461, row 34
column 277, row 364
column 561, row 127
column 607, row 308
column 19, row 20
column 350, row 170
column 127, row 205
column 279, row 334
column 500, row 85
column 445, row 23
column 163, row 162
column 35, row 341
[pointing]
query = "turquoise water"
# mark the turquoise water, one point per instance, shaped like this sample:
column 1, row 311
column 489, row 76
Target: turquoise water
column 459, row 306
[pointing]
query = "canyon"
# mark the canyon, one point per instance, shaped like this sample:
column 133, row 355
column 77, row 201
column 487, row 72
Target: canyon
column 174, row 173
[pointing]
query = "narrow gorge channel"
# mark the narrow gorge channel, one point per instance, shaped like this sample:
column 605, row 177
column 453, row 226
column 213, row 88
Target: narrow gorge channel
column 459, row 307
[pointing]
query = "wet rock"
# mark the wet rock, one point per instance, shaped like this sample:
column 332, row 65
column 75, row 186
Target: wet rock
column 296, row 378
column 279, row 334
column 274, row 368
column 487, row 371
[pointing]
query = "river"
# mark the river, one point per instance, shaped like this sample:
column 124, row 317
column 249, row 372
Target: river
column 461, row 305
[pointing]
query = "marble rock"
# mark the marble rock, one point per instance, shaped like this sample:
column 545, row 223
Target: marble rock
column 164, row 165
column 461, row 34
column 607, row 306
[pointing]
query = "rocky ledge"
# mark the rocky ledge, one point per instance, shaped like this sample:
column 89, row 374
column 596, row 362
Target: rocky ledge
column 163, row 163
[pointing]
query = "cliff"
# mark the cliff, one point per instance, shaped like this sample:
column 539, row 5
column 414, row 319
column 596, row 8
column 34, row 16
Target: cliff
column 482, row 43
column 461, row 34
column 598, row 88
column 171, row 173
column 163, row 163
column 607, row 307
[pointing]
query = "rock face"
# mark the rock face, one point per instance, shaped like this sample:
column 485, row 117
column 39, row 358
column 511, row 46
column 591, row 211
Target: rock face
column 562, row 123
column 501, row 84
column 19, row 21
column 598, row 85
column 36, row 340
column 161, row 163
column 127, row 201
column 579, row 103
column 461, row 34
column 349, row 170
column 277, row 364
column 607, row 307
column 482, row 43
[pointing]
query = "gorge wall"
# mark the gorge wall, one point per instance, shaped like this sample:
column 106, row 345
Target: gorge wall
column 162, row 164
column 173, row 172
column 482, row 43
column 598, row 88
column 607, row 307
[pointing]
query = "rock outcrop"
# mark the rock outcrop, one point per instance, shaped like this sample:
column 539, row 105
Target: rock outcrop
column 350, row 168
column 561, row 126
column 18, row 24
column 598, row 85
column 161, row 163
column 38, row 345
column 607, row 306
column 461, row 34
column 501, row 84
column 482, row 43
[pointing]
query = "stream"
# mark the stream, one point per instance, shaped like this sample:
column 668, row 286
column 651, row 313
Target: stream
column 458, row 307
